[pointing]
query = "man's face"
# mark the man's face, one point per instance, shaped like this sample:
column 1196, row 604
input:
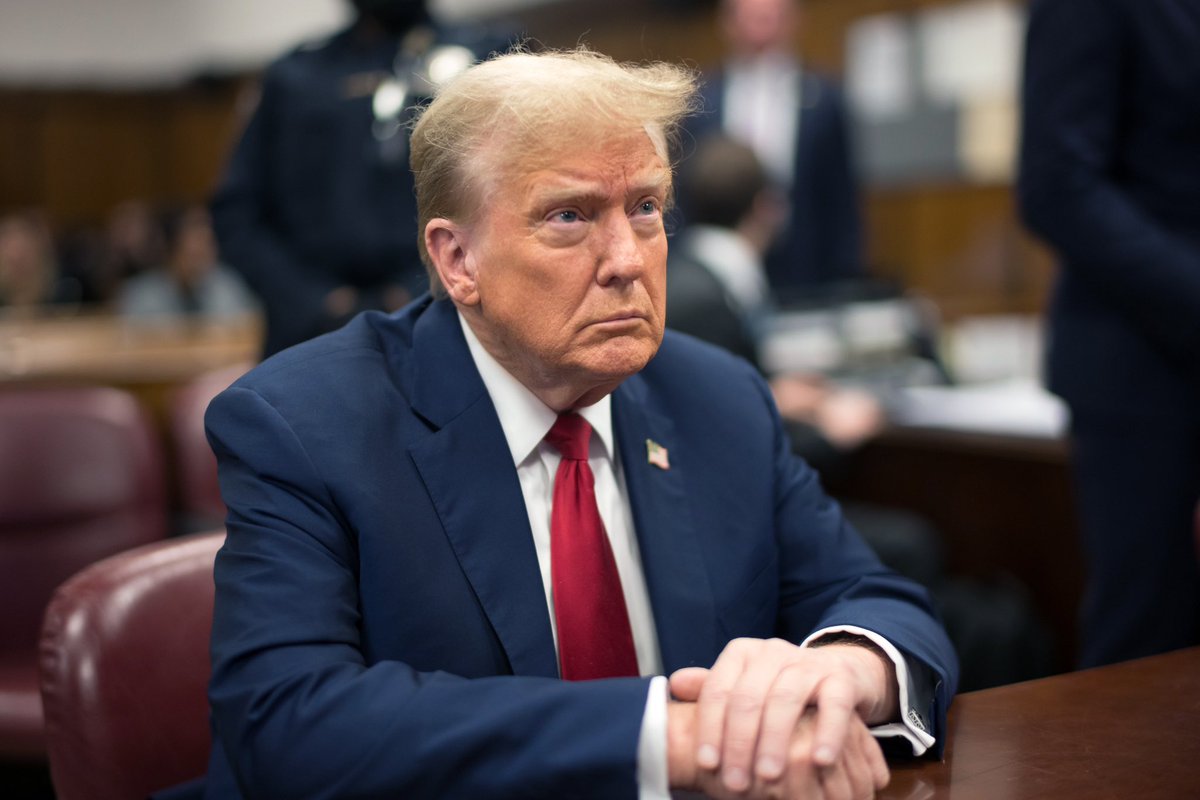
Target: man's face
column 756, row 26
column 569, row 261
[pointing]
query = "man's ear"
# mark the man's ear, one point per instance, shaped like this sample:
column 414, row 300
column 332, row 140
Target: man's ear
column 447, row 244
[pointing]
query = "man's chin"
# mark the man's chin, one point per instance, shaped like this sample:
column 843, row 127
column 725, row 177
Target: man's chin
column 621, row 357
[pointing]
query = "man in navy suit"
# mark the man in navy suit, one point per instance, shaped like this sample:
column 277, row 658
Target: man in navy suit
column 389, row 617
column 795, row 120
column 1110, row 178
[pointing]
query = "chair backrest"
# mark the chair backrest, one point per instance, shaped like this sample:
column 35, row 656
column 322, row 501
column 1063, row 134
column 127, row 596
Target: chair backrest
column 124, row 671
column 81, row 478
column 195, row 464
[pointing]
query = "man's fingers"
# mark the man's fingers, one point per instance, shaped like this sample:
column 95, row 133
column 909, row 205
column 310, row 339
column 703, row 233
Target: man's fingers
column 836, row 701
column 878, row 764
column 786, row 702
column 710, row 711
column 865, row 765
column 835, row 782
column 767, row 669
column 687, row 682
column 859, row 771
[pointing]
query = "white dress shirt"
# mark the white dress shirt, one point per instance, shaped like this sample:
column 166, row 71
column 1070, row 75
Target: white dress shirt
column 762, row 110
column 733, row 262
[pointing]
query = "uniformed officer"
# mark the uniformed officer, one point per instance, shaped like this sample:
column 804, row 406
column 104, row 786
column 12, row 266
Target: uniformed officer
column 316, row 207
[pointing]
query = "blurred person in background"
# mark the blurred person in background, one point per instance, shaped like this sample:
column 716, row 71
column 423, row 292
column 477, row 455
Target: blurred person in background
column 718, row 291
column 795, row 121
column 1109, row 165
column 192, row 281
column 101, row 258
column 133, row 244
column 30, row 279
column 316, row 208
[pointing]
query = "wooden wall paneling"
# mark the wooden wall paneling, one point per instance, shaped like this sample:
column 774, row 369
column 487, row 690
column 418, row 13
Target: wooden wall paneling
column 201, row 129
column 77, row 154
column 21, row 160
column 960, row 243
column 100, row 149
column 629, row 30
column 825, row 23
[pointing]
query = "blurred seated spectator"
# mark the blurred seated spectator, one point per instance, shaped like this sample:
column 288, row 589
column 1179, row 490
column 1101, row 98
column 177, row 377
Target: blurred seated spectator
column 717, row 291
column 132, row 244
column 192, row 281
column 29, row 275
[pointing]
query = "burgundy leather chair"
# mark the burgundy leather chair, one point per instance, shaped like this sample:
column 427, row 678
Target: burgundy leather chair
column 195, row 465
column 81, row 478
column 124, row 671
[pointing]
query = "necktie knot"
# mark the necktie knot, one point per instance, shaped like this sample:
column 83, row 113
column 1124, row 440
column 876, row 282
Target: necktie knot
column 570, row 436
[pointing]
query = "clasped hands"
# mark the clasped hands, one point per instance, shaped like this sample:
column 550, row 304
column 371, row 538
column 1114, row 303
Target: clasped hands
column 773, row 720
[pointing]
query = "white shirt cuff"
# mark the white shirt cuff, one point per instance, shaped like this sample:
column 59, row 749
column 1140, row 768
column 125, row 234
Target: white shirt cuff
column 912, row 726
column 653, row 781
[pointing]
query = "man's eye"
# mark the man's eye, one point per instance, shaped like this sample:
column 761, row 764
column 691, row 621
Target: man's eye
column 648, row 207
column 566, row 216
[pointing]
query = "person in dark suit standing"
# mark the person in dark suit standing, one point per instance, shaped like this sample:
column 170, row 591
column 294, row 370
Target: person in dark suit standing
column 795, row 120
column 1109, row 165
column 316, row 206
column 468, row 540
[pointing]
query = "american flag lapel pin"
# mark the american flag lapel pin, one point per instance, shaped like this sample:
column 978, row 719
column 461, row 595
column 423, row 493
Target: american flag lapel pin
column 656, row 454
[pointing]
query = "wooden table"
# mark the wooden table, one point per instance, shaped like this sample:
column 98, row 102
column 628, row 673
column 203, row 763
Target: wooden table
column 147, row 358
column 1131, row 730
column 109, row 350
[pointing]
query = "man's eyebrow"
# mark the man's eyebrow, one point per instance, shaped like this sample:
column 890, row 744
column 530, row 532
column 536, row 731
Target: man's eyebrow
column 564, row 190
column 568, row 192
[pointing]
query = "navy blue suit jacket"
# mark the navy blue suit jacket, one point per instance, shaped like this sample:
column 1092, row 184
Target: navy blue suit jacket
column 381, row 628
column 822, row 241
column 1110, row 177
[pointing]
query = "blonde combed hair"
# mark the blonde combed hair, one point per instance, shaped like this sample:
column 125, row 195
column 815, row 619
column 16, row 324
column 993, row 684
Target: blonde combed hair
column 519, row 106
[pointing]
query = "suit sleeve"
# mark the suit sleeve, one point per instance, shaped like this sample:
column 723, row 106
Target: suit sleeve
column 830, row 578
column 1076, row 69
column 302, row 712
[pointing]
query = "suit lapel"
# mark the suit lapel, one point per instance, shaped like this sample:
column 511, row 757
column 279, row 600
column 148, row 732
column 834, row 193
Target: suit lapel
column 481, row 508
column 676, row 576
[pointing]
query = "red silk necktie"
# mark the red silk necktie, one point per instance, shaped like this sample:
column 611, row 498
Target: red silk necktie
column 594, row 637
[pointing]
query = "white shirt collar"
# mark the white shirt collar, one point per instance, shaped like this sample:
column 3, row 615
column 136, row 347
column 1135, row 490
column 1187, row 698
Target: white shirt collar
column 524, row 418
column 773, row 64
column 731, row 260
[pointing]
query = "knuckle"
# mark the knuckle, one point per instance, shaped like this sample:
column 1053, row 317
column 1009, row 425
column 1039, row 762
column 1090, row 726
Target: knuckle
column 788, row 696
column 714, row 693
column 738, row 747
column 744, row 701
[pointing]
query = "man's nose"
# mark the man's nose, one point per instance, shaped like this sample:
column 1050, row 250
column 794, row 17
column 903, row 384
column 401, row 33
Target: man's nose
column 622, row 257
